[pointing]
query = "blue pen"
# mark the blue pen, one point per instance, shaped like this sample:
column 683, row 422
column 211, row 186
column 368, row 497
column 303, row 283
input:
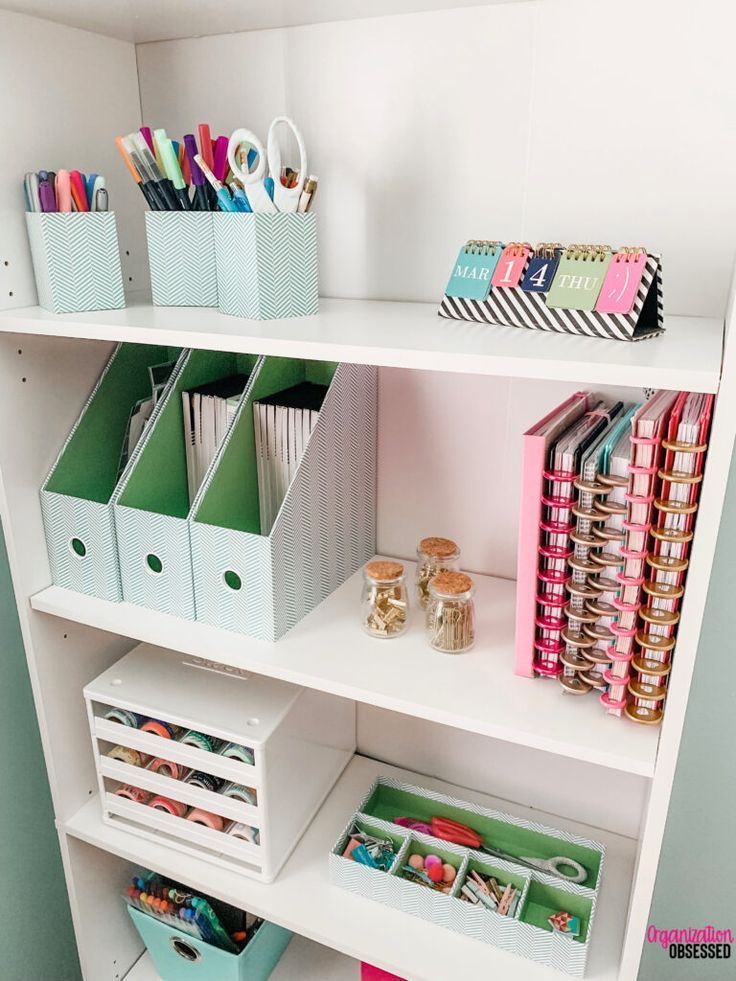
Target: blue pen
column 240, row 198
column 224, row 200
column 89, row 186
column 268, row 184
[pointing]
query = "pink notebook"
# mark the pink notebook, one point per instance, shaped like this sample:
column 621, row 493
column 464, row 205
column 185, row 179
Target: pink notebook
column 536, row 445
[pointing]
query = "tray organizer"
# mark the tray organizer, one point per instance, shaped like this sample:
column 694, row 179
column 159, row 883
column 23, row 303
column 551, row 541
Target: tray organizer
column 528, row 933
column 76, row 261
column 300, row 742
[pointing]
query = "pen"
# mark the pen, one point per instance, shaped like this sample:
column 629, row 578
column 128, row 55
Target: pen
column 205, row 148
column 201, row 198
column 173, row 170
column 140, row 174
column 306, row 198
column 239, row 198
column 46, row 195
column 225, row 201
column 164, row 188
column 79, row 194
column 63, row 191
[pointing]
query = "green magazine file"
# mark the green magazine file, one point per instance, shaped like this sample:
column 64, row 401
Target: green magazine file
column 152, row 504
column 77, row 497
column 262, row 585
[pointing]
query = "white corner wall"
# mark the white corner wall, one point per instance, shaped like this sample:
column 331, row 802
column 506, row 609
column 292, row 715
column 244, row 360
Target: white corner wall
column 562, row 120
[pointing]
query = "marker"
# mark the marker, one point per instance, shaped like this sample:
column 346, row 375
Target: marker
column 201, row 198
column 134, row 173
column 219, row 166
column 79, row 195
column 164, row 189
column 223, row 198
column 172, row 168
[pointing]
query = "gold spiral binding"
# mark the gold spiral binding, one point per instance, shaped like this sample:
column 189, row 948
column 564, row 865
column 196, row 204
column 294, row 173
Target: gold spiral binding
column 650, row 666
column 644, row 715
column 579, row 616
column 653, row 614
column 674, row 535
column 628, row 252
column 651, row 693
column 479, row 246
column 612, row 480
column 546, row 250
column 517, row 248
column 596, row 656
column 653, row 642
column 663, row 590
column 680, row 476
column 677, row 447
column 667, row 563
column 675, row 507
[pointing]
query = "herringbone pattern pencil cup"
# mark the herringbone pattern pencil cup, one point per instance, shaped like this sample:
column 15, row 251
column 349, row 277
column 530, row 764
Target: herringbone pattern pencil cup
column 266, row 265
column 76, row 261
column 181, row 255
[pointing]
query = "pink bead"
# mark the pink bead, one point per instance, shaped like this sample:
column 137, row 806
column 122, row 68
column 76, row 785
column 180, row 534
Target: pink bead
column 435, row 872
column 431, row 860
column 448, row 873
column 416, row 861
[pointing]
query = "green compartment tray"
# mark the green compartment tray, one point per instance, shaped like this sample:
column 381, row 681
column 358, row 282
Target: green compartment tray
column 528, row 932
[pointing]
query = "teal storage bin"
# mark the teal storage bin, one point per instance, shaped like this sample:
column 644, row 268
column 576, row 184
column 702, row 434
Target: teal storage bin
column 179, row 957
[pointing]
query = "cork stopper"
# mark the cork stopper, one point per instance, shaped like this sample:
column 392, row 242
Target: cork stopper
column 384, row 570
column 438, row 548
column 451, row 583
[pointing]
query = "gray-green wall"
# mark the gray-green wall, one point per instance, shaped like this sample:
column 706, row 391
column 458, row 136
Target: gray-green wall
column 696, row 880
column 36, row 938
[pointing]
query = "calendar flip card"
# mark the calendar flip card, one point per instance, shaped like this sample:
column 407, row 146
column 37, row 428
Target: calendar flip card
column 579, row 278
column 473, row 270
column 622, row 281
column 591, row 290
column 541, row 269
column 511, row 265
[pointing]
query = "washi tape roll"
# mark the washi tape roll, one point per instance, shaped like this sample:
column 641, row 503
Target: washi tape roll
column 133, row 793
column 167, row 768
column 124, row 754
column 245, row 794
column 205, row 781
column 244, row 831
column 198, row 816
column 174, row 807
column 125, row 718
column 235, row 751
column 164, row 729
column 200, row 741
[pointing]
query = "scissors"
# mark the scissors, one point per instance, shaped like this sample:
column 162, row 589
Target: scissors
column 284, row 198
column 460, row 834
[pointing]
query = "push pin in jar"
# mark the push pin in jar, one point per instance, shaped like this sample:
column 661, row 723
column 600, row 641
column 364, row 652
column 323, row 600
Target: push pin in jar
column 385, row 603
column 433, row 555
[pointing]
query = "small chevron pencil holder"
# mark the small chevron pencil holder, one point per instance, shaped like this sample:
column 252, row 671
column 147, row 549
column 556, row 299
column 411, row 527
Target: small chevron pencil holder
column 76, row 261
column 262, row 584
column 266, row 265
column 181, row 257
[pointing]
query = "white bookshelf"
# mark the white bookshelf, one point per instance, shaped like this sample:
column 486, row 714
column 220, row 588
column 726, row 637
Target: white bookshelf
column 465, row 720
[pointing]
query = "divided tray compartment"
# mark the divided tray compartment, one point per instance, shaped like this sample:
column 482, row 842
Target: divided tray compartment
column 77, row 497
column 152, row 504
column 263, row 584
column 266, row 264
column 76, row 261
column 527, row 933
column 177, row 956
column 181, row 257
column 298, row 738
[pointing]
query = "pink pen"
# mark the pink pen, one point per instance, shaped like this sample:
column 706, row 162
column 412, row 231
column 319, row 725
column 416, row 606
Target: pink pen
column 220, row 166
column 63, row 191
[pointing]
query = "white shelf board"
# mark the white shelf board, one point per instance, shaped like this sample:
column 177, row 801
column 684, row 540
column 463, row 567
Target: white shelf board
column 328, row 650
column 303, row 899
column 408, row 335
column 303, row 960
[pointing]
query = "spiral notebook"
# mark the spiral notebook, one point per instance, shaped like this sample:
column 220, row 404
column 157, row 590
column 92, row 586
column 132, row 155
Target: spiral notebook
column 675, row 506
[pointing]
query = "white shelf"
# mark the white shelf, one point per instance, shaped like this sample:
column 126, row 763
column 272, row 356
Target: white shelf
column 303, row 899
column 328, row 650
column 409, row 335
column 303, row 960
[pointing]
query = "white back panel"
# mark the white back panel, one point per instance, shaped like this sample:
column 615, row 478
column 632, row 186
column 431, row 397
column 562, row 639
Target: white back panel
column 65, row 95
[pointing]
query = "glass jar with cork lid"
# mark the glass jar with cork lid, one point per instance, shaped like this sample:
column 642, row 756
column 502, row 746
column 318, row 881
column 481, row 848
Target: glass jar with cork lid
column 434, row 555
column 385, row 601
column 451, row 613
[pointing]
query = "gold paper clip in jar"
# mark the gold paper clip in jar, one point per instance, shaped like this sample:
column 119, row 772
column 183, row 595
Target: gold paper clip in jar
column 434, row 555
column 385, row 602
column 451, row 613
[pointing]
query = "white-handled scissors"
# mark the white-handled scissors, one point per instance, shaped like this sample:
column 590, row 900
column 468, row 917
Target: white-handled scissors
column 284, row 198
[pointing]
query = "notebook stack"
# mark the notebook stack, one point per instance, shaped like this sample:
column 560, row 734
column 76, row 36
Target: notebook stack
column 594, row 479
column 675, row 506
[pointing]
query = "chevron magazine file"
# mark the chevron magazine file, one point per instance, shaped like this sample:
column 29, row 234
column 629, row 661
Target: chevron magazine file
column 609, row 500
column 593, row 290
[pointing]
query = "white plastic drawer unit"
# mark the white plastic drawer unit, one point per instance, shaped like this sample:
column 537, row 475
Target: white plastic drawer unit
column 244, row 787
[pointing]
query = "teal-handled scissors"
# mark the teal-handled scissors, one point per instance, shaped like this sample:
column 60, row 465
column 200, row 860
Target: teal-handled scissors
column 284, row 198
